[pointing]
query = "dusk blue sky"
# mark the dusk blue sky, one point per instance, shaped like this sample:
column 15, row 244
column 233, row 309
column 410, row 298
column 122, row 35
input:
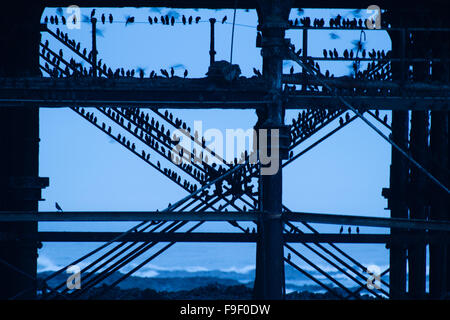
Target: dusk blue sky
column 90, row 172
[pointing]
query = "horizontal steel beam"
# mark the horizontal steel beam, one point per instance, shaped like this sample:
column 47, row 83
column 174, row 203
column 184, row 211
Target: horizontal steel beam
column 362, row 238
column 339, row 219
column 74, row 236
column 316, row 100
column 350, row 83
column 146, row 237
column 322, row 218
column 127, row 216
column 178, row 93
column 133, row 92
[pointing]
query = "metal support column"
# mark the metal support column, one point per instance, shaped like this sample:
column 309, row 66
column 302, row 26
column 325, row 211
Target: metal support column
column 439, row 159
column 19, row 145
column 269, row 280
column 397, row 197
column 417, row 254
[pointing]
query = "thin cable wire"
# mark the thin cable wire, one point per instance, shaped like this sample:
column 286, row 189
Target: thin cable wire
column 232, row 32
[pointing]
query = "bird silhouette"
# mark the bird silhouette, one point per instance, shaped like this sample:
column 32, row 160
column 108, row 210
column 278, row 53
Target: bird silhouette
column 291, row 71
column 165, row 73
column 346, row 54
column 197, row 19
column 58, row 207
column 172, row 72
column 185, row 73
column 341, row 230
column 129, row 20
column 349, row 230
column 92, row 13
column 289, row 256
column 172, row 21
column 224, row 19
column 257, row 72
column 336, row 55
column 324, row 53
column 190, row 20
column 110, row 18
column 150, row 20
column 357, row 230
column 183, row 19
column 103, row 18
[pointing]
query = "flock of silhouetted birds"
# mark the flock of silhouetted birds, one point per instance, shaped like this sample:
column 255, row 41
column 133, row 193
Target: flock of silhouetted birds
column 76, row 69
column 307, row 122
column 349, row 230
column 151, row 128
column 293, row 229
column 338, row 22
column 151, row 142
column 375, row 70
column 349, row 54
column 163, row 19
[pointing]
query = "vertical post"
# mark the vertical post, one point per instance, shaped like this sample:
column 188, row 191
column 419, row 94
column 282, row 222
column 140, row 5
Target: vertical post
column 417, row 250
column 94, row 46
column 19, row 163
column 269, row 280
column 419, row 183
column 399, row 170
column 398, row 205
column 439, row 159
column 439, row 202
column 212, row 52
column 305, row 54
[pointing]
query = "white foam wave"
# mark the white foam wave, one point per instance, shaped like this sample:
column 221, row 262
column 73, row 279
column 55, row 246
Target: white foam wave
column 46, row 264
column 243, row 270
